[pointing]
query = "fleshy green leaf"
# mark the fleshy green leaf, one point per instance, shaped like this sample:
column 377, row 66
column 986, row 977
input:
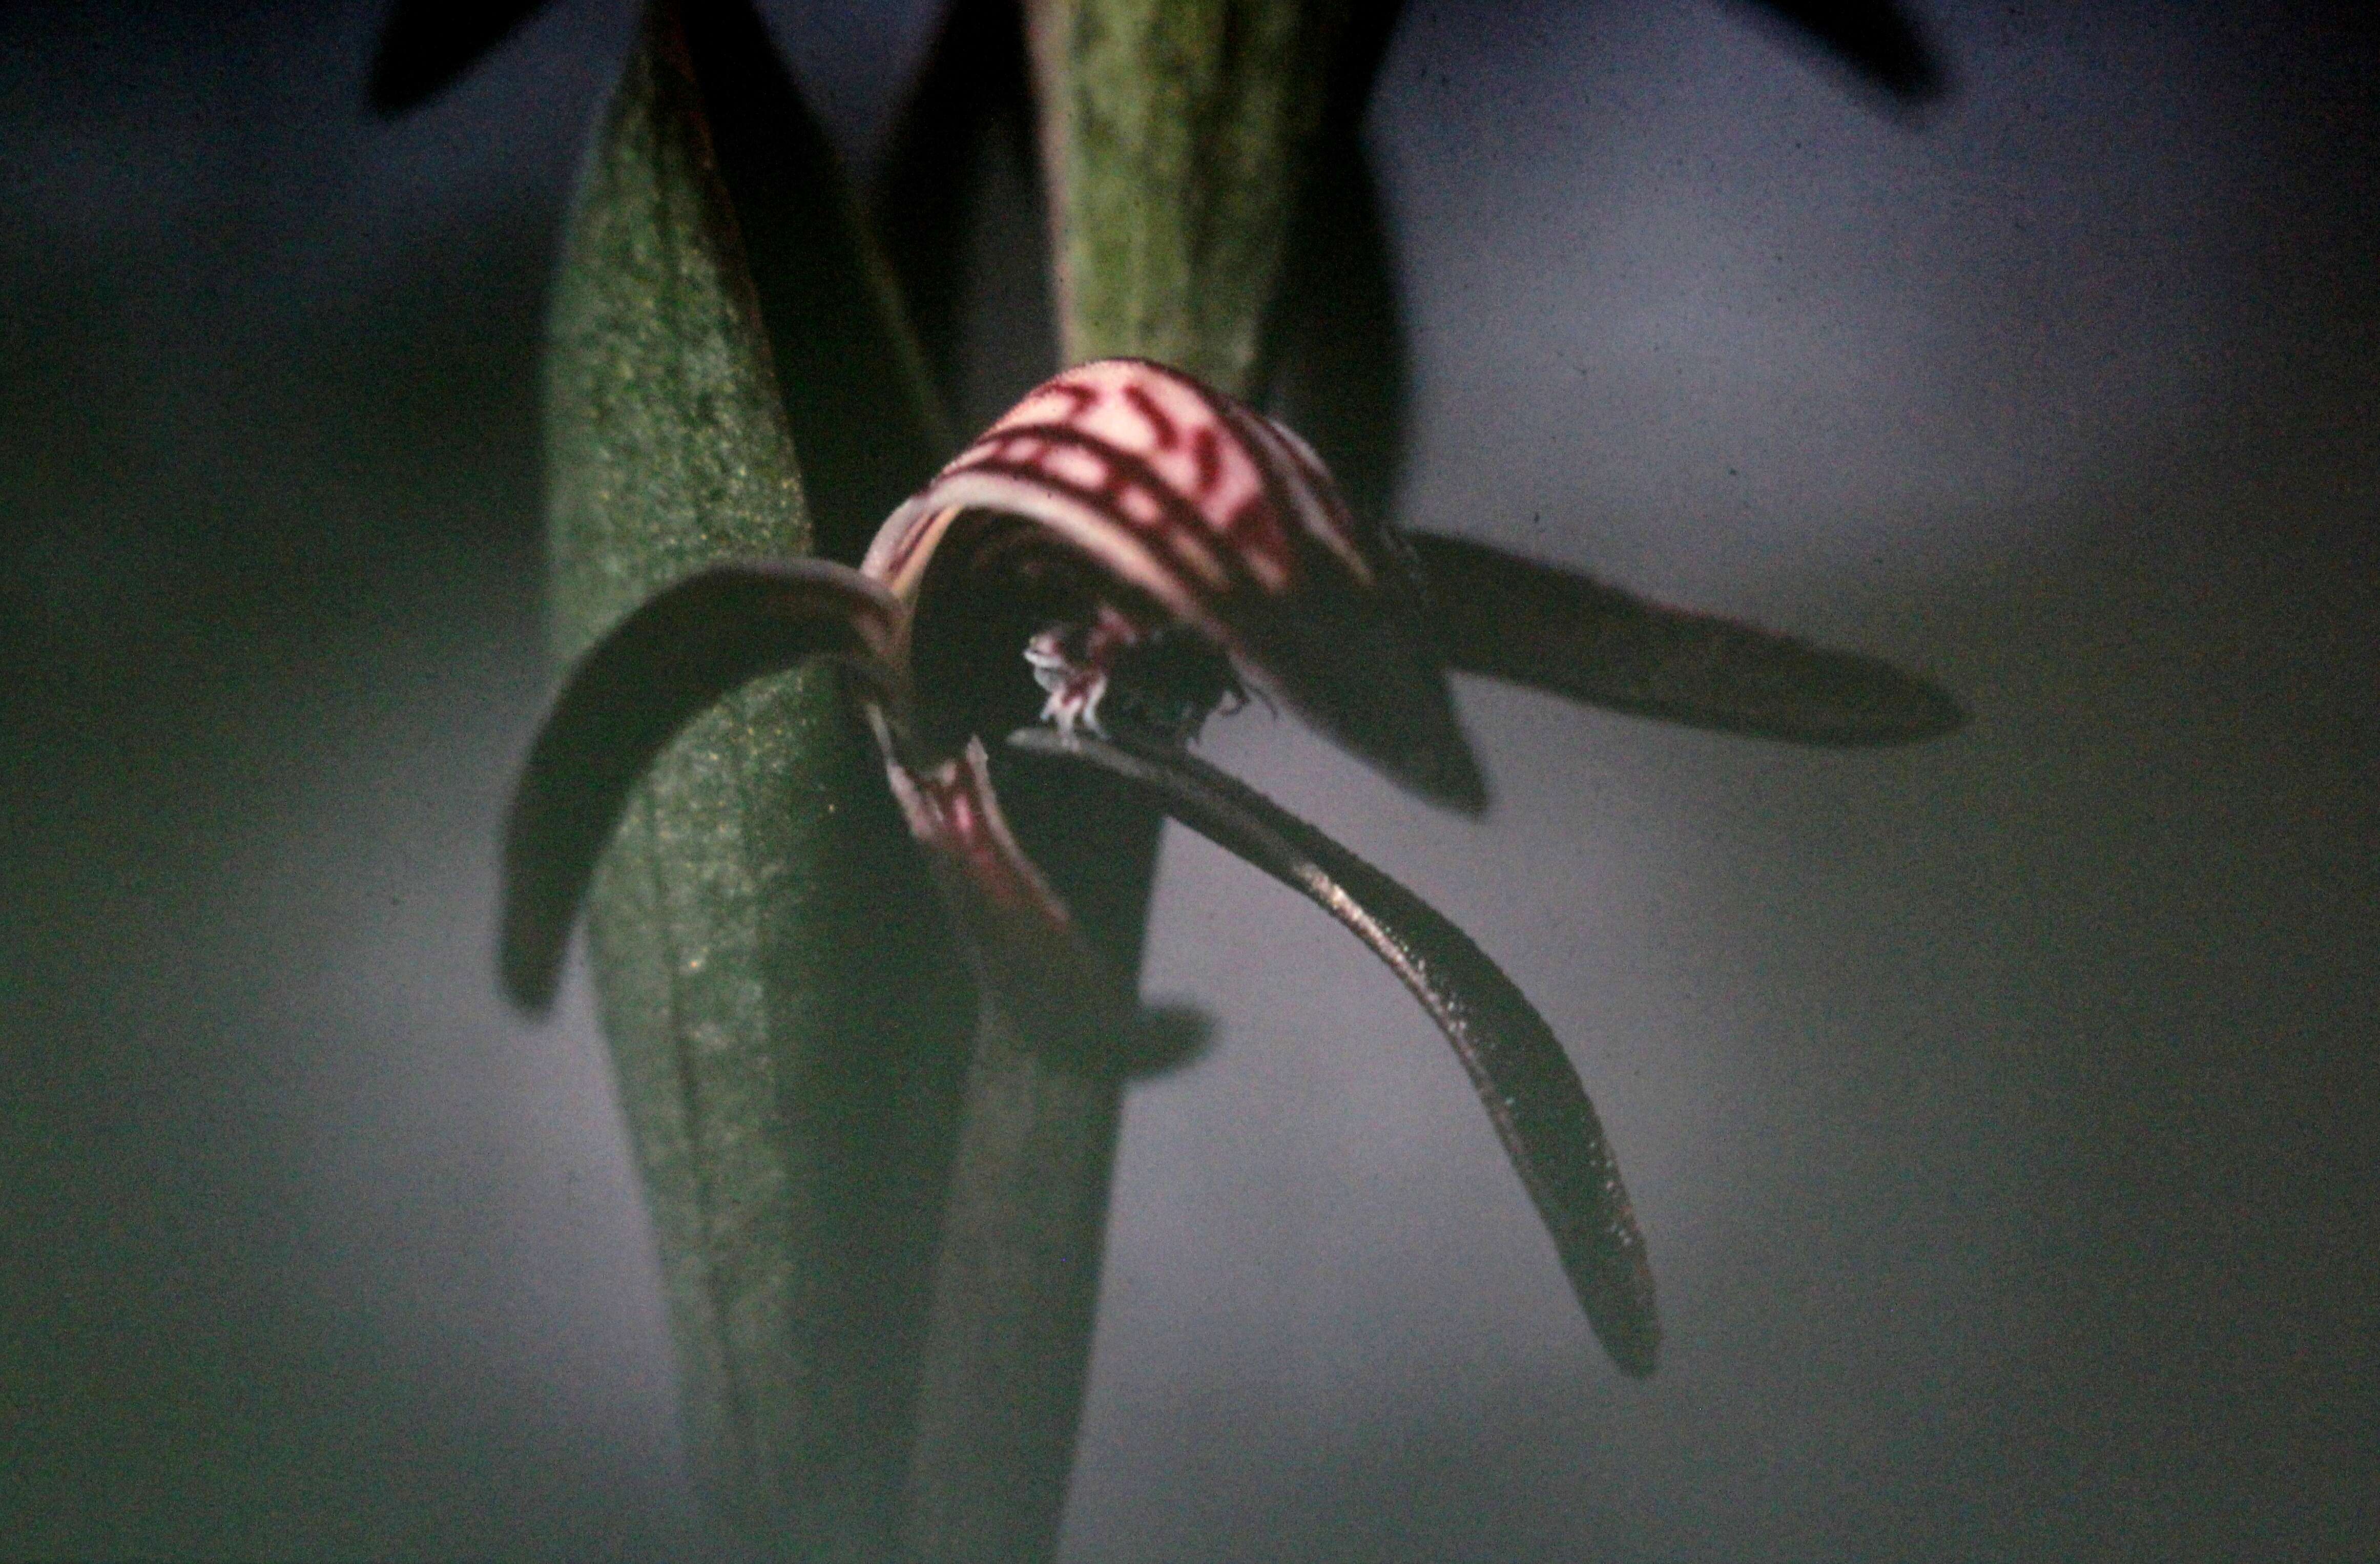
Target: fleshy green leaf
column 1176, row 132
column 785, row 1012
column 864, row 413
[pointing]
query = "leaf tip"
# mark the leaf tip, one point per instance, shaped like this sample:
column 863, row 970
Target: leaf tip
column 1879, row 42
column 1165, row 1038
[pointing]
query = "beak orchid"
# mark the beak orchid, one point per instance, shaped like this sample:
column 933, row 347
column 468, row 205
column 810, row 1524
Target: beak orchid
column 1148, row 548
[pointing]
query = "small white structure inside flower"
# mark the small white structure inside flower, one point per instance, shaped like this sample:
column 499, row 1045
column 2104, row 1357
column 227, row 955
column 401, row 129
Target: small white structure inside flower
column 1072, row 661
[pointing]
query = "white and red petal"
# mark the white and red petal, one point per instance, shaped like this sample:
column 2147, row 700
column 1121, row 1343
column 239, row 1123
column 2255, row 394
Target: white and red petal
column 1224, row 521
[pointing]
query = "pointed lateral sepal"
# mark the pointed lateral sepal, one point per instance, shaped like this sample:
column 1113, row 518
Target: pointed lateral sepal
column 1534, row 1098
column 1029, row 959
column 1223, row 520
column 657, row 669
column 1556, row 630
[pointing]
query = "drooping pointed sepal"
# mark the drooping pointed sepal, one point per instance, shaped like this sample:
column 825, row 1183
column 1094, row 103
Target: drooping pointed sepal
column 1556, row 630
column 656, row 670
column 1029, row 960
column 1533, row 1096
column 1202, row 512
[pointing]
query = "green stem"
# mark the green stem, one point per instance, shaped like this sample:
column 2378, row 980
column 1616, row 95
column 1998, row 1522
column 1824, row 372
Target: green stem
column 1174, row 134
column 1018, row 1284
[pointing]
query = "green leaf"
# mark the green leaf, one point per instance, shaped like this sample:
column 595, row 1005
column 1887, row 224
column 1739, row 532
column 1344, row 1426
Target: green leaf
column 1176, row 133
column 784, row 1008
column 865, row 416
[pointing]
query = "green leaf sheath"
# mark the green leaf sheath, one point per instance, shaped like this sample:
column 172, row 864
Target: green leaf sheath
column 784, row 1010
column 1176, row 133
column 864, row 415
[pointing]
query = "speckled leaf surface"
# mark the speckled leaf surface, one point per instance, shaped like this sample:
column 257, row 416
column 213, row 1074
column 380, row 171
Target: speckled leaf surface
column 772, row 974
column 1175, row 131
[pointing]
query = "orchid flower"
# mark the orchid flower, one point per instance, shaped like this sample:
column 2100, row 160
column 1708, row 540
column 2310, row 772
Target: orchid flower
column 1119, row 554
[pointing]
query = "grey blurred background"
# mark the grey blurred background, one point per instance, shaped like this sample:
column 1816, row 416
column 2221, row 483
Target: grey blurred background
column 2003, row 1113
